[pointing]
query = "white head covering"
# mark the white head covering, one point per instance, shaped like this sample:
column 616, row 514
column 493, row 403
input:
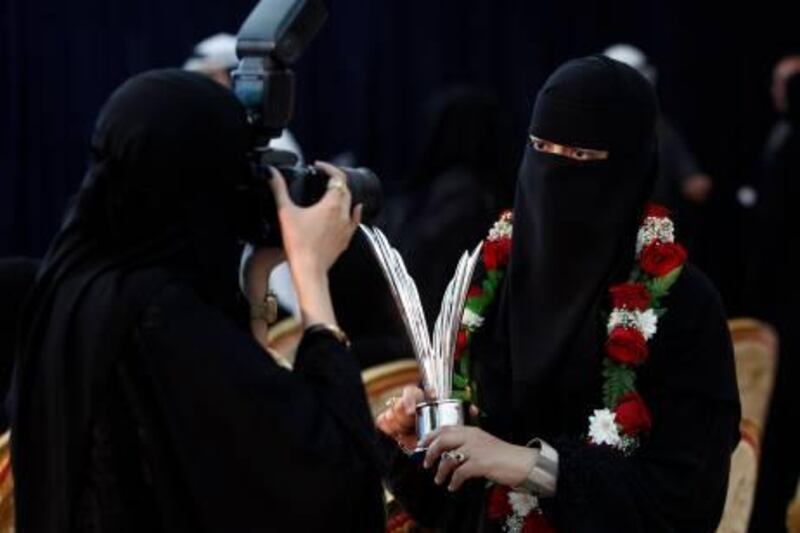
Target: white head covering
column 633, row 57
column 288, row 143
column 217, row 52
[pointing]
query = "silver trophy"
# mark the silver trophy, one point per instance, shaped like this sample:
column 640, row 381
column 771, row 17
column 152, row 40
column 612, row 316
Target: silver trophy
column 434, row 353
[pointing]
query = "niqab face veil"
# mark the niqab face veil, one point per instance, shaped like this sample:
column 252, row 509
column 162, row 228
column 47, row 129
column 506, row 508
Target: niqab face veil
column 575, row 225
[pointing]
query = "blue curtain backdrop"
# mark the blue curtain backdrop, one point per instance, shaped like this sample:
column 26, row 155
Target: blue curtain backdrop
column 363, row 82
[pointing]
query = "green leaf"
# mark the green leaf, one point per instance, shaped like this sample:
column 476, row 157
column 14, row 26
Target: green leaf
column 619, row 381
column 659, row 287
column 459, row 381
column 463, row 395
column 489, row 288
column 463, row 363
column 476, row 304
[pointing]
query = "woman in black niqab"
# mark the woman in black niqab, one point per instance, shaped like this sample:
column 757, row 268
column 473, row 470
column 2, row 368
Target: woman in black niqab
column 587, row 171
column 140, row 401
column 569, row 245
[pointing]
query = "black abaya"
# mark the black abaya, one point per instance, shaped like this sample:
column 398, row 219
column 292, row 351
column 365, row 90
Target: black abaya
column 676, row 482
column 538, row 356
column 142, row 403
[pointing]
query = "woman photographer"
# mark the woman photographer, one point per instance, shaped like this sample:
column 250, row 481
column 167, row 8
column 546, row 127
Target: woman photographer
column 142, row 401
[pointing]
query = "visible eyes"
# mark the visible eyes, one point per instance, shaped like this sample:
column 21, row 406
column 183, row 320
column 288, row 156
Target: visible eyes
column 540, row 145
column 571, row 152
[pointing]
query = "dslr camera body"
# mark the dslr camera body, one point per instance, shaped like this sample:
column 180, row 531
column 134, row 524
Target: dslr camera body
column 270, row 41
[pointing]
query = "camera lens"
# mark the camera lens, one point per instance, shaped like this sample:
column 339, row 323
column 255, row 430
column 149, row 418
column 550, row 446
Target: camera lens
column 365, row 188
column 308, row 184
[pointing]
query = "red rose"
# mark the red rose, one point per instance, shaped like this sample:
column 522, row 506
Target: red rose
column 489, row 253
column 400, row 522
column 632, row 414
column 498, row 506
column 537, row 522
column 461, row 344
column 627, row 346
column 659, row 259
column 495, row 253
column 630, row 296
column 475, row 292
column 505, row 248
column 656, row 210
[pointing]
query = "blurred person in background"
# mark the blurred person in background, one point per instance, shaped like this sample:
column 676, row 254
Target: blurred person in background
column 456, row 188
column 214, row 57
column 681, row 185
column 774, row 296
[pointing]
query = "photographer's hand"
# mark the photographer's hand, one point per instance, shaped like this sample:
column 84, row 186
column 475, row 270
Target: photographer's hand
column 313, row 238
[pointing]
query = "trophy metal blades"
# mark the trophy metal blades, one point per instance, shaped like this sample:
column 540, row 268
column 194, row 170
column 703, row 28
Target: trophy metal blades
column 434, row 354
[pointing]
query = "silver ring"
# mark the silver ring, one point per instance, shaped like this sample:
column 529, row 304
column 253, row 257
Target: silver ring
column 458, row 457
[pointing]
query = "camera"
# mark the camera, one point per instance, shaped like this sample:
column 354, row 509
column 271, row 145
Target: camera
column 271, row 40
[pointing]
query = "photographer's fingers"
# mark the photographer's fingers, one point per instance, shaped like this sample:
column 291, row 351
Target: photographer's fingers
column 357, row 215
column 331, row 170
column 279, row 191
column 338, row 190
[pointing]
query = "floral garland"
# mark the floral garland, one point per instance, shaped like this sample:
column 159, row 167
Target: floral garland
column 635, row 310
column 494, row 259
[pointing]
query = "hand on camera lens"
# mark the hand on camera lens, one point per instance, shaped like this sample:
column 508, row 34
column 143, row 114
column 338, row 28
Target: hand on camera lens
column 315, row 236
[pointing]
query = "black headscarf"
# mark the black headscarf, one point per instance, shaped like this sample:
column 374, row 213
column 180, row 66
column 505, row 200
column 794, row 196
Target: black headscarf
column 158, row 201
column 575, row 227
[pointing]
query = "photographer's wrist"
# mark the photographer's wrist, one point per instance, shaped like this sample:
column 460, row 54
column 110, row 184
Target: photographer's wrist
column 314, row 298
column 309, row 269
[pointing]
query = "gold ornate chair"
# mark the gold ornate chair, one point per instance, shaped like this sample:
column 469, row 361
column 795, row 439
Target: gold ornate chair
column 741, row 483
column 284, row 337
column 756, row 351
column 793, row 513
column 6, row 486
column 388, row 379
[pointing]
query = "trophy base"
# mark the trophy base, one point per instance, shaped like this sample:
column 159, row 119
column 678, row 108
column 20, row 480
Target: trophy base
column 436, row 414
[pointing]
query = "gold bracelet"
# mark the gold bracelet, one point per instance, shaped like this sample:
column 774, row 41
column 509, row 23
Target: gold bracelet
column 331, row 329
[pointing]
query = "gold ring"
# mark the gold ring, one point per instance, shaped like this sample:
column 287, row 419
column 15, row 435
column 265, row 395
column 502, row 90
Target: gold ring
column 391, row 401
column 338, row 184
